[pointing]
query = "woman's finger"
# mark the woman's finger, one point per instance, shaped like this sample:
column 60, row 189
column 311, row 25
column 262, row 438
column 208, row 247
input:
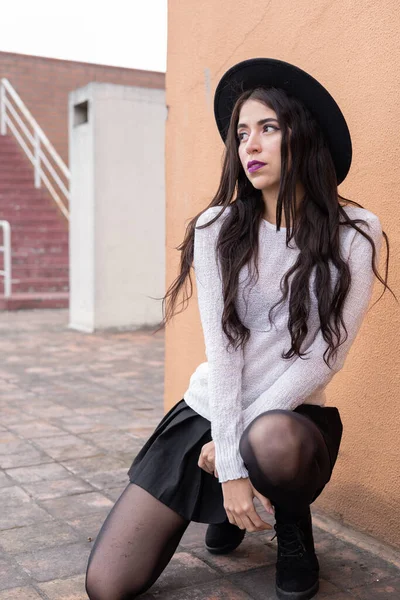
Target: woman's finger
column 238, row 521
column 209, row 468
column 257, row 521
column 203, row 464
column 266, row 502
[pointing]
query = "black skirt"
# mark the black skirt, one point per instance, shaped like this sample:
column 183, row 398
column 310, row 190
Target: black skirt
column 167, row 468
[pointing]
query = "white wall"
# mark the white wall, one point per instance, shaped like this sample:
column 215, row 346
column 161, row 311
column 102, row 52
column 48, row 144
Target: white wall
column 117, row 226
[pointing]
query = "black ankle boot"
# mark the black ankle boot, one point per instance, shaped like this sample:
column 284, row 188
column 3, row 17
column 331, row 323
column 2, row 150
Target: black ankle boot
column 297, row 567
column 223, row 538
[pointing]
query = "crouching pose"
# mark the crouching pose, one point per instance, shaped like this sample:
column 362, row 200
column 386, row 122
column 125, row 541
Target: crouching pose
column 284, row 270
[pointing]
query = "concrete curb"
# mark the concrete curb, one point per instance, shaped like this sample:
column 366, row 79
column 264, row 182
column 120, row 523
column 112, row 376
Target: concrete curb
column 357, row 538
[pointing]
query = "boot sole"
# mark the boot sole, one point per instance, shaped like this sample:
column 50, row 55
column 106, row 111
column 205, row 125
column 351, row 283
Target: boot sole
column 224, row 549
column 305, row 595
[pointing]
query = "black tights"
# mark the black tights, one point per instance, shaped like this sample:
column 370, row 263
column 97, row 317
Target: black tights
column 288, row 462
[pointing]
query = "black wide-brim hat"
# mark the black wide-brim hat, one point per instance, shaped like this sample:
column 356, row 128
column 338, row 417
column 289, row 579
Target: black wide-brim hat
column 270, row 72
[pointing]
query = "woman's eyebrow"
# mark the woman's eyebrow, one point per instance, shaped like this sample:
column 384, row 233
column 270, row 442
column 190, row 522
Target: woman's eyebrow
column 261, row 122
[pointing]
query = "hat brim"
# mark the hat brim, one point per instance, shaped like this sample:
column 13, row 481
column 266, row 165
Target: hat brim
column 270, row 72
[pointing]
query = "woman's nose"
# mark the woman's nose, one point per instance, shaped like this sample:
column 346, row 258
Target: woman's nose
column 252, row 145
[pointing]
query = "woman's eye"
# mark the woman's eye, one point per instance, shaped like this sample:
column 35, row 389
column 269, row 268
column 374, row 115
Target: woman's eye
column 269, row 126
column 242, row 133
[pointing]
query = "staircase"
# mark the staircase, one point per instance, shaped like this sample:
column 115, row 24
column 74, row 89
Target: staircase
column 39, row 235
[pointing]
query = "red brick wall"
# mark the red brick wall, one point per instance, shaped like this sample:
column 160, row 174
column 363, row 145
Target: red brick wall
column 44, row 85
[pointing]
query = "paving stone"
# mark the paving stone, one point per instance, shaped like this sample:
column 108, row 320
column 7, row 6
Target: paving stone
column 388, row 589
column 35, row 429
column 114, row 493
column 36, row 473
column 6, row 439
column 127, row 459
column 15, row 417
column 13, row 496
column 72, row 588
column 194, row 536
column 142, row 432
column 95, row 411
column 11, row 575
column 81, row 504
column 218, row 590
column 336, row 596
column 5, row 481
column 26, row 458
column 105, row 391
column 24, row 514
column 55, row 563
column 249, row 555
column 115, row 441
column 108, row 479
column 117, row 419
column 88, row 526
column 45, row 490
column 93, row 464
column 258, row 583
column 46, row 412
column 66, row 446
column 14, row 445
column 36, row 537
column 349, row 567
column 183, row 568
column 328, row 590
column 20, row 593
column 81, row 424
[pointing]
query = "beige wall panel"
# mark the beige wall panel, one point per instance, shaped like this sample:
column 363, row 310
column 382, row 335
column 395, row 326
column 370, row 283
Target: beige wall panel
column 352, row 48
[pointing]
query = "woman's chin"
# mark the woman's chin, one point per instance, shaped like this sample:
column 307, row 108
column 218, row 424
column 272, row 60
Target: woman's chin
column 261, row 183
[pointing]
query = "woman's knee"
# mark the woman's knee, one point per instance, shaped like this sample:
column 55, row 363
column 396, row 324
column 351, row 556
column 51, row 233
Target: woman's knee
column 101, row 586
column 277, row 432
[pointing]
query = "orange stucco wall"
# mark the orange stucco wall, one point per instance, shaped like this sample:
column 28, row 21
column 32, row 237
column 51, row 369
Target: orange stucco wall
column 353, row 49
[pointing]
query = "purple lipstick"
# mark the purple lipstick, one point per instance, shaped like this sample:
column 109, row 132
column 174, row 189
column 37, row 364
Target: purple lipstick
column 254, row 165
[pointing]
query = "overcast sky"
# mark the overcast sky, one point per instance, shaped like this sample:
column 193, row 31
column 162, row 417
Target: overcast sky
column 123, row 33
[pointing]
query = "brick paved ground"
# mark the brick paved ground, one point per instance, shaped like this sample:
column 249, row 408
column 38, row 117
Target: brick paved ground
column 75, row 409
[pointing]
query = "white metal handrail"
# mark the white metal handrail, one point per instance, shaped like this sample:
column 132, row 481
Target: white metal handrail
column 38, row 141
column 6, row 249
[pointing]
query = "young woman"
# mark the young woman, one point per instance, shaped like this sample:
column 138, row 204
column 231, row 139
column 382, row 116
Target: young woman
column 284, row 270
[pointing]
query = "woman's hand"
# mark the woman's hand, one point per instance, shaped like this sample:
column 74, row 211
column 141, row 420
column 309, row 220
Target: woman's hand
column 207, row 459
column 239, row 506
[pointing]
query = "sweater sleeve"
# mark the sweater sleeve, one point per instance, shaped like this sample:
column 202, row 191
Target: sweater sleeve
column 224, row 366
column 305, row 376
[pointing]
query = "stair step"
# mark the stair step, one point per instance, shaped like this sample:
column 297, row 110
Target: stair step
column 31, row 212
column 39, row 284
column 14, row 155
column 13, row 178
column 26, row 201
column 39, row 235
column 20, row 259
column 14, row 208
column 32, row 221
column 22, row 240
column 43, row 248
column 24, row 186
column 25, row 301
column 45, row 228
column 42, row 270
column 26, row 193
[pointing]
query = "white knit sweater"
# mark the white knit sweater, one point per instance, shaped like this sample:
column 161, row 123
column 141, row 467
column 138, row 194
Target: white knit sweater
column 234, row 387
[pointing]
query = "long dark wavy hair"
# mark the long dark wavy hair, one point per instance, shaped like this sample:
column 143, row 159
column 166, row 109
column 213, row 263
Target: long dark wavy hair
column 314, row 224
